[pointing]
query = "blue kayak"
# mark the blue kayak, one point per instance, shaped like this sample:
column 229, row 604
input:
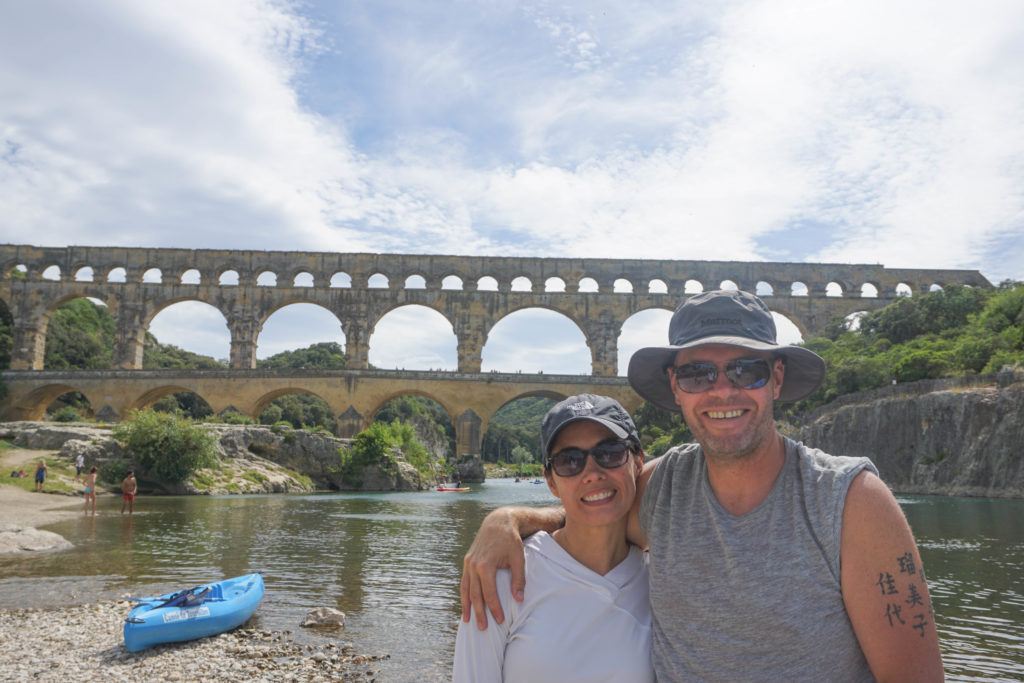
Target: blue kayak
column 193, row 613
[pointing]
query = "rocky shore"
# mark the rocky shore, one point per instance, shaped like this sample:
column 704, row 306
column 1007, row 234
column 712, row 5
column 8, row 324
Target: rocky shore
column 84, row 643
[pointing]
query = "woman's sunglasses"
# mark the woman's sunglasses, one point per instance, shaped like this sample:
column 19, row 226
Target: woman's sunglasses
column 743, row 373
column 570, row 461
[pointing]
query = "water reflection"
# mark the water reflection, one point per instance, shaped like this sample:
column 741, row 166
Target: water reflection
column 391, row 562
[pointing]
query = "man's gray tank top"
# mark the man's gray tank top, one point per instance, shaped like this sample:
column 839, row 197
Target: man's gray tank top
column 755, row 597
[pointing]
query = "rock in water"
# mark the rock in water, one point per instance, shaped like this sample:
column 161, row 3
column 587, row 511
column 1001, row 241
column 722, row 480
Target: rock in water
column 324, row 617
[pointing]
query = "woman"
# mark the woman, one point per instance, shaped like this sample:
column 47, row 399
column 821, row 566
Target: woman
column 585, row 615
column 40, row 476
column 90, row 491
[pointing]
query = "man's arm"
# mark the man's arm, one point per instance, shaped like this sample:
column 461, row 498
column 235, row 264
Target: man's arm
column 884, row 587
column 499, row 545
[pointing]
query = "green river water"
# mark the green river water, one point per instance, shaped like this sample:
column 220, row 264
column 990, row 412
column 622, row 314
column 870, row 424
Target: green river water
column 391, row 562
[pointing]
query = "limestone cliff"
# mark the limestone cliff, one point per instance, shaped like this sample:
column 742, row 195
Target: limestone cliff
column 949, row 437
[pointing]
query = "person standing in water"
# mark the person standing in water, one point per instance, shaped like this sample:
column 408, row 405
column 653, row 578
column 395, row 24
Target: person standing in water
column 129, row 487
column 90, row 491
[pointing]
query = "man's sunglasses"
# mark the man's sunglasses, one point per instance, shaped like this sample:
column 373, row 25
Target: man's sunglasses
column 743, row 373
column 570, row 461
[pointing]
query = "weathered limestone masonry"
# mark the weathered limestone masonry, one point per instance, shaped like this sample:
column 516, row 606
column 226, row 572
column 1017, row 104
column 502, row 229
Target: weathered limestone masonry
column 248, row 286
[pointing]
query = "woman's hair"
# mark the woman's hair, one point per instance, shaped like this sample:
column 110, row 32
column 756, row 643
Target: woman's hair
column 94, row 469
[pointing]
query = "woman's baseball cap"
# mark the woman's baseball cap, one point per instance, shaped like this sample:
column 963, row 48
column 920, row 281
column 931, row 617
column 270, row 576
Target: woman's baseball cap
column 728, row 317
column 601, row 409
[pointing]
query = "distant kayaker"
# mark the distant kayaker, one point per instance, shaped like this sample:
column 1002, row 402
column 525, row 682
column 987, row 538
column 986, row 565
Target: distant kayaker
column 90, row 490
column 587, row 585
column 40, row 475
column 128, row 489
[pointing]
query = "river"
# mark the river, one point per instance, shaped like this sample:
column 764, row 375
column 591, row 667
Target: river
column 391, row 562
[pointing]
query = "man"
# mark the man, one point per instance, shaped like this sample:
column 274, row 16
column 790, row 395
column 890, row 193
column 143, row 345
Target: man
column 129, row 487
column 79, row 466
column 768, row 559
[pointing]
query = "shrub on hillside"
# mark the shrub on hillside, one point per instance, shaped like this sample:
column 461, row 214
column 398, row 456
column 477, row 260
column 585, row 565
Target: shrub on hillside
column 66, row 414
column 165, row 446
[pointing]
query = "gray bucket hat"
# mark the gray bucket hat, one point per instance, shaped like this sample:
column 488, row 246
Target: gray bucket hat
column 600, row 409
column 732, row 318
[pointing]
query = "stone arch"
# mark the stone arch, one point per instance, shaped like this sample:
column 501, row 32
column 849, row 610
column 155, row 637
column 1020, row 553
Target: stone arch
column 33, row 405
column 147, row 399
column 341, row 280
column 646, row 327
column 116, row 274
column 589, row 284
column 187, row 321
column 763, row 288
column 834, row 289
column 415, row 281
column 83, row 274
column 303, row 278
column 521, row 283
column 266, row 278
column 487, row 438
column 657, row 286
column 86, row 293
column 903, row 289
column 378, row 280
column 51, row 272
column 536, row 348
column 869, row 290
column 228, row 278
column 192, row 276
column 452, row 282
column 554, row 284
column 798, row 288
column 152, row 275
column 325, row 314
column 487, row 283
column 693, row 286
column 429, row 347
column 623, row 285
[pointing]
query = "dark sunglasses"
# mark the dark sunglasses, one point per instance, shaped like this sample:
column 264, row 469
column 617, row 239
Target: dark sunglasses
column 570, row 461
column 743, row 373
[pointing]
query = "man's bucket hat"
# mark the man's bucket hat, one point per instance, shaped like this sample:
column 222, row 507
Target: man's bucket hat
column 732, row 318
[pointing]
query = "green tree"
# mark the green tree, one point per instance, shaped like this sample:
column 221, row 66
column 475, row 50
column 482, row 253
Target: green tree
column 79, row 336
column 165, row 446
column 321, row 355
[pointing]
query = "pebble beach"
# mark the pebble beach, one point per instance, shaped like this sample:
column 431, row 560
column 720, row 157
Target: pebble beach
column 84, row 643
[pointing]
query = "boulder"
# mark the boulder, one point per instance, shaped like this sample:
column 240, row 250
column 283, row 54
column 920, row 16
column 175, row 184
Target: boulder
column 324, row 617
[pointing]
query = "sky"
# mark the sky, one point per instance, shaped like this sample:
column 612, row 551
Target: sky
column 774, row 130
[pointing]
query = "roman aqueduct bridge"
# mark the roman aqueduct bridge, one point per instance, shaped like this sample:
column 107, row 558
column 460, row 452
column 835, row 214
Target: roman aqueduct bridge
column 472, row 292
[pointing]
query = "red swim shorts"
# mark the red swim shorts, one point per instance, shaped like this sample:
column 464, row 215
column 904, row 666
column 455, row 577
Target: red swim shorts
column 128, row 496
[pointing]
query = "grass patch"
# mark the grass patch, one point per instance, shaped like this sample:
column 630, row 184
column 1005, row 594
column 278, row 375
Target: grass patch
column 301, row 478
column 255, row 477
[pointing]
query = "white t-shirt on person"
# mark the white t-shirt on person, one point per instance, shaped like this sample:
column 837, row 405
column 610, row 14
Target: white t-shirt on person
column 573, row 625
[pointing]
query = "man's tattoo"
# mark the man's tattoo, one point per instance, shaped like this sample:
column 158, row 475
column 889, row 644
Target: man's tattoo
column 894, row 610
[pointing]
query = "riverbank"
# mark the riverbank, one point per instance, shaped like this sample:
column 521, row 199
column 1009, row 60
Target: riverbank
column 85, row 643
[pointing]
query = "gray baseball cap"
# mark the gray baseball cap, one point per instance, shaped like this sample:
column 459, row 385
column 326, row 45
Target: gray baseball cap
column 728, row 317
column 601, row 409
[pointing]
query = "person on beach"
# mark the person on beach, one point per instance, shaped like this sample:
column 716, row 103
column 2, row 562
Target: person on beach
column 128, row 489
column 769, row 560
column 587, row 615
column 79, row 466
column 40, row 475
column 90, row 490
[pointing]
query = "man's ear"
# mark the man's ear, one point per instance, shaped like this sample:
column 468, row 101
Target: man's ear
column 779, row 375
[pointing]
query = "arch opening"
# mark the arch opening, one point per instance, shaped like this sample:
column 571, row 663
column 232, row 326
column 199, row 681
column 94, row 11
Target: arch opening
column 301, row 335
column 433, row 347
column 536, row 340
